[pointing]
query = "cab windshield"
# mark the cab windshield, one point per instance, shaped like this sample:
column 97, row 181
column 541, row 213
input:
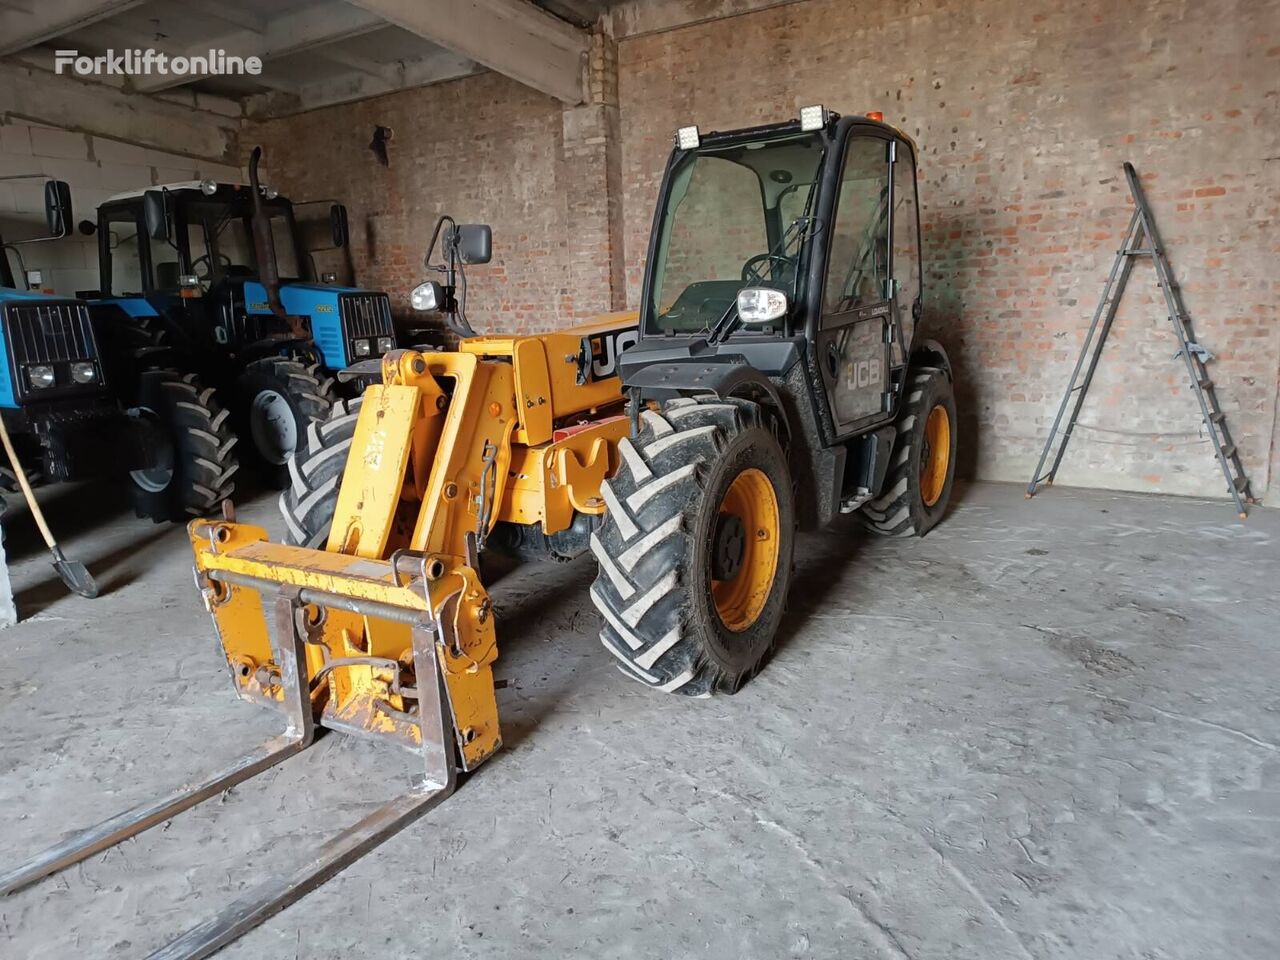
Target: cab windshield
column 220, row 241
column 735, row 216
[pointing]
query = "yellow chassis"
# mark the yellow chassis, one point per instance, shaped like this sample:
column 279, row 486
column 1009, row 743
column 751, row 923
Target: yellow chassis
column 515, row 429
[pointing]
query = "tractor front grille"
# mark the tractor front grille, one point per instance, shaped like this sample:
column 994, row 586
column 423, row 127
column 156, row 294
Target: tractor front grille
column 365, row 317
column 51, row 334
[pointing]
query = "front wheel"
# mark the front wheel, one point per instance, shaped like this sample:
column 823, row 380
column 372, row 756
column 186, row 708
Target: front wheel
column 922, row 470
column 199, row 463
column 279, row 400
column 696, row 548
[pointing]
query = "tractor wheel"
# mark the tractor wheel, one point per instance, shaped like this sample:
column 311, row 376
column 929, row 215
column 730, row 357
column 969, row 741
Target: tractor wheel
column 315, row 473
column 200, row 441
column 695, row 550
column 918, row 485
column 279, row 399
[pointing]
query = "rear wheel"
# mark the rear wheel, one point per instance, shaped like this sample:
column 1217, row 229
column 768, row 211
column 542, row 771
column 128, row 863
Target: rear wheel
column 923, row 465
column 315, row 474
column 279, row 400
column 199, row 462
column 695, row 550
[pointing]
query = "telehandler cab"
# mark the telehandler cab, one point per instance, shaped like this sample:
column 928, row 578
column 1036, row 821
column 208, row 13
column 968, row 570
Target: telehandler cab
column 773, row 378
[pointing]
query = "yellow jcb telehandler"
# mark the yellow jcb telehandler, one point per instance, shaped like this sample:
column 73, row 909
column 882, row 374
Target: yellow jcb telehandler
column 771, row 379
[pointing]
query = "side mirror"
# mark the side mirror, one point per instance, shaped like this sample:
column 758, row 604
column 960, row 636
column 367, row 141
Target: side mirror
column 760, row 305
column 338, row 224
column 474, row 242
column 57, row 207
column 155, row 212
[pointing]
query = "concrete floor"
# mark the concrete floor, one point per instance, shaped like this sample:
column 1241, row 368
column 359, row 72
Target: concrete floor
column 1050, row 729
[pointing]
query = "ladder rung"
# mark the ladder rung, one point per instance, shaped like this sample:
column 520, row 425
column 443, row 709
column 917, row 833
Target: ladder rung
column 1205, row 383
column 1143, row 252
column 1217, row 417
column 1240, row 483
column 1229, row 450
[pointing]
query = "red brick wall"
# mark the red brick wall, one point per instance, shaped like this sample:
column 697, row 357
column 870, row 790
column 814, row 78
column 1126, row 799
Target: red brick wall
column 1024, row 112
column 482, row 149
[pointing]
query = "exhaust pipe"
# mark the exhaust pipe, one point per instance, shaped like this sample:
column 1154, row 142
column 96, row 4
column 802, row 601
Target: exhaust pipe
column 264, row 248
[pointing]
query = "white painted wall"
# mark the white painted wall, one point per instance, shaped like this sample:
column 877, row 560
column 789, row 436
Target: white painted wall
column 96, row 168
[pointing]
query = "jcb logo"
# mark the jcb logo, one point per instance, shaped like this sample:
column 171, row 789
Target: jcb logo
column 863, row 373
column 606, row 349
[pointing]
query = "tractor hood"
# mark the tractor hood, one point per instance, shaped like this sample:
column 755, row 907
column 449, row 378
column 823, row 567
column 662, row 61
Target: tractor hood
column 9, row 295
column 347, row 323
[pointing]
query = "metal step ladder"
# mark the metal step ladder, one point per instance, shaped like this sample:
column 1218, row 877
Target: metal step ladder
column 1142, row 240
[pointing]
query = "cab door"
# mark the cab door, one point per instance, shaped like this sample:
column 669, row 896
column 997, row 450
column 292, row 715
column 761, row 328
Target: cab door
column 858, row 328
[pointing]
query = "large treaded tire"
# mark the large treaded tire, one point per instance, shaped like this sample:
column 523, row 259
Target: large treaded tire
column 315, row 475
column 900, row 511
column 655, row 545
column 308, row 395
column 201, row 441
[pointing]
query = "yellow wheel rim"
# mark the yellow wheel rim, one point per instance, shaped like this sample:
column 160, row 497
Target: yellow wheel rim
column 740, row 597
column 936, row 457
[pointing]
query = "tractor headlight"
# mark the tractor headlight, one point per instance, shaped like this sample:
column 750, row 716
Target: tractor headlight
column 362, row 348
column 761, row 304
column 84, row 372
column 41, row 376
column 208, row 187
column 385, row 344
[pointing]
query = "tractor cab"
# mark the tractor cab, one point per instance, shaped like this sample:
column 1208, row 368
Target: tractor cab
column 53, row 384
column 189, row 255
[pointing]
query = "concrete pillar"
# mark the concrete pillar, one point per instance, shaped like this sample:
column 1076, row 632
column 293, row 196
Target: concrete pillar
column 8, row 612
column 590, row 181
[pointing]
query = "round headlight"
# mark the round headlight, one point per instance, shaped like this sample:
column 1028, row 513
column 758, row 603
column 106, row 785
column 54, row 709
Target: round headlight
column 385, row 344
column 208, row 187
column 362, row 348
column 40, row 376
column 83, row 372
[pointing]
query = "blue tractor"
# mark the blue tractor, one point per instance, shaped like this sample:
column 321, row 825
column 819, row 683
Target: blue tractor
column 214, row 279
column 57, row 398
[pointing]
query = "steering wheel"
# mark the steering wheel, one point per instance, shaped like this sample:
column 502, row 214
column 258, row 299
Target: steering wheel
column 206, row 260
column 751, row 272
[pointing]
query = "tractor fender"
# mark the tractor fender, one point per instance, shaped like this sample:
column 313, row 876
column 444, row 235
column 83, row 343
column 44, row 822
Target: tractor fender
column 933, row 353
column 722, row 377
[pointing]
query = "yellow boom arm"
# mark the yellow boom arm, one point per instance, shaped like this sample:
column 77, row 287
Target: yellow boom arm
column 508, row 429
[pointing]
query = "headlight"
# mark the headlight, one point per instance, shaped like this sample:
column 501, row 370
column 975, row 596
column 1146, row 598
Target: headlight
column 385, row 344
column 362, row 348
column 761, row 304
column 40, row 376
column 208, row 187
column 83, row 372
column 426, row 296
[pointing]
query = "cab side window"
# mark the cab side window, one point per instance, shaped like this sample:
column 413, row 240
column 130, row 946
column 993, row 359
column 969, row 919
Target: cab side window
column 858, row 268
column 123, row 241
column 906, row 241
